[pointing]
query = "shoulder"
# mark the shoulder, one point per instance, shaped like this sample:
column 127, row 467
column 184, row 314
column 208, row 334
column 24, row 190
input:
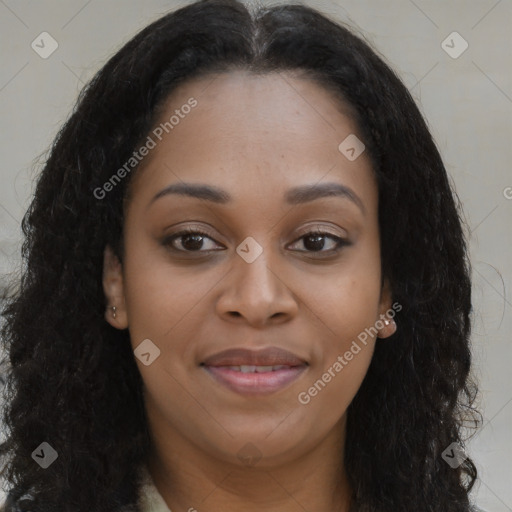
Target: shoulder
column 150, row 499
column 16, row 503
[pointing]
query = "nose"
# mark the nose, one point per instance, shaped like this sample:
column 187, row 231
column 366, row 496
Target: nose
column 256, row 293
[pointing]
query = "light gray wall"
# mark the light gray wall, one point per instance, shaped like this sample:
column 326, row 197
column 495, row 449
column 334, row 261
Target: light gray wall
column 467, row 101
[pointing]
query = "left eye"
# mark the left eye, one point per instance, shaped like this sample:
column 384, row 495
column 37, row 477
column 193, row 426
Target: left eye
column 316, row 243
column 193, row 241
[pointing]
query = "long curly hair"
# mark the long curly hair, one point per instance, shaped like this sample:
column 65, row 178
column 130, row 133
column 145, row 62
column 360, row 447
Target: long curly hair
column 72, row 380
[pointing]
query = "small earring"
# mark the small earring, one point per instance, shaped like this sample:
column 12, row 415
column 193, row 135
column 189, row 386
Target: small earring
column 113, row 311
column 387, row 323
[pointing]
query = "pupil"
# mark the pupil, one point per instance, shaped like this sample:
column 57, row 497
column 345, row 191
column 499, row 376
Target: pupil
column 317, row 244
column 197, row 244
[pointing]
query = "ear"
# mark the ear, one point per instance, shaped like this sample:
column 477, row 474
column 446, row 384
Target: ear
column 113, row 287
column 386, row 323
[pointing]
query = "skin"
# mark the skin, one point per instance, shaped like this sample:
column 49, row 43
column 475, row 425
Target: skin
column 255, row 137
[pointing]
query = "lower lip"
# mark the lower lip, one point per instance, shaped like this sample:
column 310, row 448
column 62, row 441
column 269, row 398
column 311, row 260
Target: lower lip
column 255, row 383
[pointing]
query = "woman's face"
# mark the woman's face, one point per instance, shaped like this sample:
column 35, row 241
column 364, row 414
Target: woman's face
column 260, row 282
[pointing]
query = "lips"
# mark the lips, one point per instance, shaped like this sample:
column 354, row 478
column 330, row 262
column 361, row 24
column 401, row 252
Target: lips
column 255, row 372
column 271, row 356
column 247, row 368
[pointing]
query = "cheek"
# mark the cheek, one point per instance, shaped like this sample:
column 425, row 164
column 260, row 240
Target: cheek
column 329, row 395
column 160, row 296
column 346, row 301
column 346, row 339
column 347, row 307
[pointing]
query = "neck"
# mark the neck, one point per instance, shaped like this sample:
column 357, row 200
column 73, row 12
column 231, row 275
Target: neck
column 188, row 478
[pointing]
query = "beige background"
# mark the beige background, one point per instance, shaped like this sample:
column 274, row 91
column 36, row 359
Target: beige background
column 467, row 102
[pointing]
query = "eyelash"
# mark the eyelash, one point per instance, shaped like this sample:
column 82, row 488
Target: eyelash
column 168, row 241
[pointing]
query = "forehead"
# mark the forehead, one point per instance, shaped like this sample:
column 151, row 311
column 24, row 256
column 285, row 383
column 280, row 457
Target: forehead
column 251, row 109
column 257, row 133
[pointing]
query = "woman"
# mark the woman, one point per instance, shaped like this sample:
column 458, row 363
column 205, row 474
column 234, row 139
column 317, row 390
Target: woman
column 246, row 284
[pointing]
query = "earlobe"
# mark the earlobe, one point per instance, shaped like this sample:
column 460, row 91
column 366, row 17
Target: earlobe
column 113, row 287
column 386, row 325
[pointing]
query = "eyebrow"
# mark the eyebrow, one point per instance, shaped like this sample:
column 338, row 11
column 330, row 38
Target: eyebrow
column 297, row 195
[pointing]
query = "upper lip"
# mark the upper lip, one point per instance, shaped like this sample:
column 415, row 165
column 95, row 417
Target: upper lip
column 270, row 356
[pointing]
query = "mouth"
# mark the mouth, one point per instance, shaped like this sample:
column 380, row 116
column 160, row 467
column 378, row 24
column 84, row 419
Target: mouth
column 255, row 372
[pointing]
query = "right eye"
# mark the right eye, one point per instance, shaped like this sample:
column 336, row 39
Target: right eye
column 191, row 239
